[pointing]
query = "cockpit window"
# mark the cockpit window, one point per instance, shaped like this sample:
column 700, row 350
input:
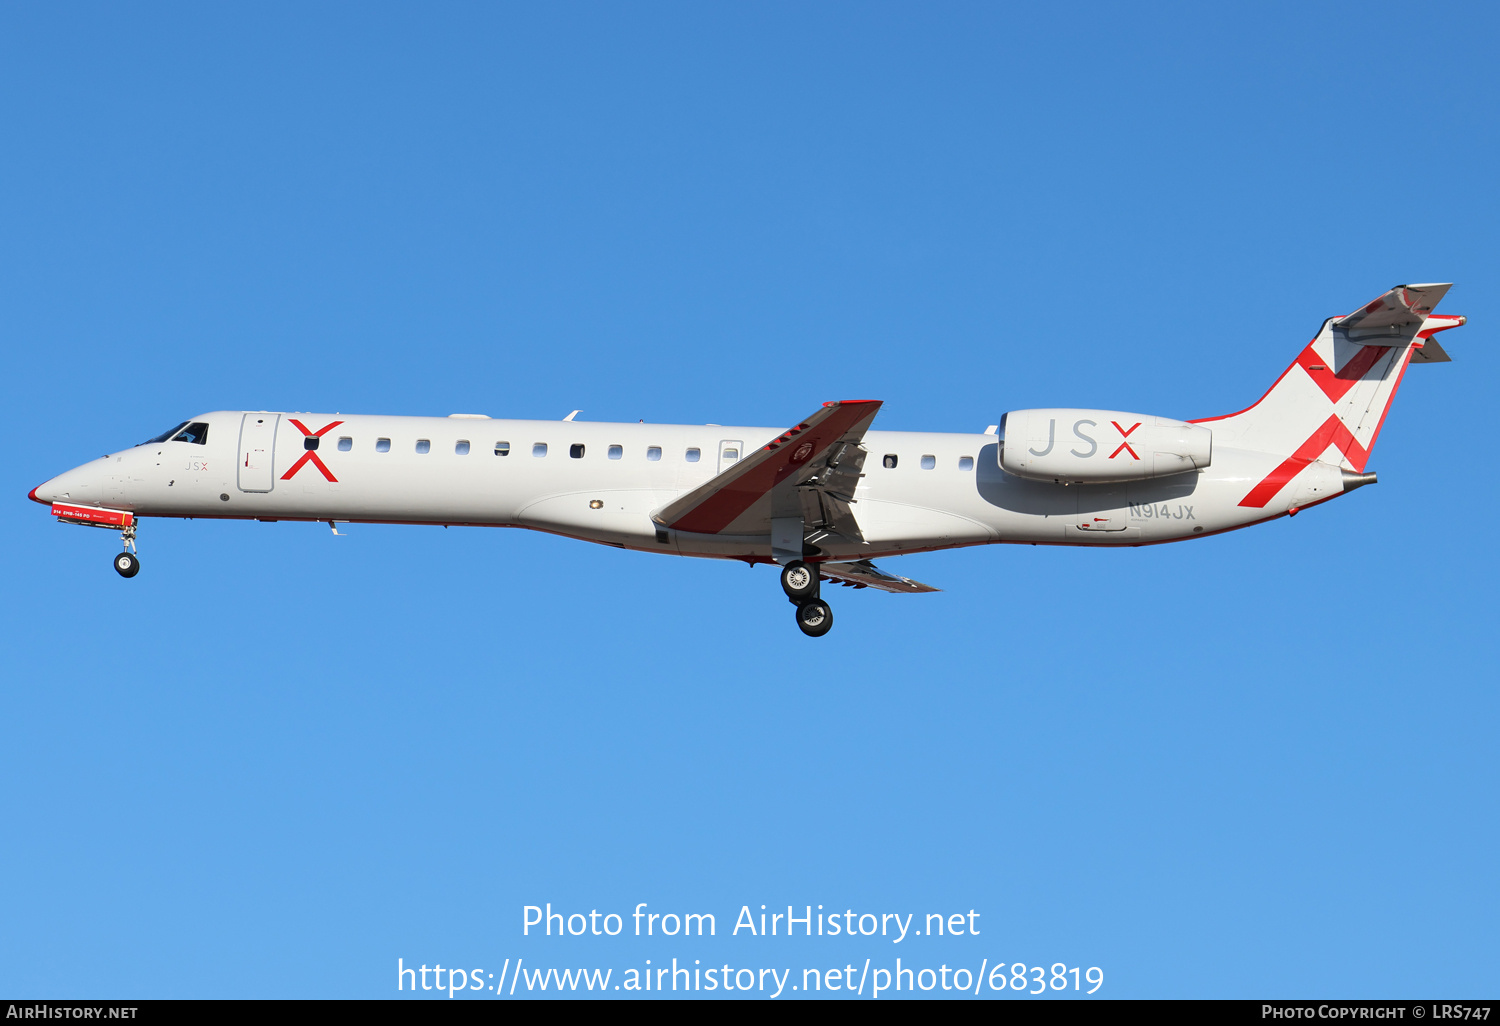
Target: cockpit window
column 195, row 432
column 165, row 434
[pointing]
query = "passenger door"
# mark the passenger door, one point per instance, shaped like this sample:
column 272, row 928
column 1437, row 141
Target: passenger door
column 730, row 453
column 258, row 451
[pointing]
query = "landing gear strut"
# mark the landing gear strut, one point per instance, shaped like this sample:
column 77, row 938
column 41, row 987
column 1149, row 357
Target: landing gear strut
column 127, row 563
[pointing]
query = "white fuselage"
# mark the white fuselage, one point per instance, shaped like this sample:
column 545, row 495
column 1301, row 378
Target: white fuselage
column 945, row 490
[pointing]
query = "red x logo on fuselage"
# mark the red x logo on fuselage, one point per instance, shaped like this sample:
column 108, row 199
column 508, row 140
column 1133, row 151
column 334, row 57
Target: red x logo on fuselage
column 1124, row 446
column 311, row 455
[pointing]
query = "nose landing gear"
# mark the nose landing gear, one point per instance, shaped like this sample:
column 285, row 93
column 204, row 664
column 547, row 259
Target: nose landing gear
column 127, row 563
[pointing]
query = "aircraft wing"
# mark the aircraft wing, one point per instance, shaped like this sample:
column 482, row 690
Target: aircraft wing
column 808, row 471
column 864, row 574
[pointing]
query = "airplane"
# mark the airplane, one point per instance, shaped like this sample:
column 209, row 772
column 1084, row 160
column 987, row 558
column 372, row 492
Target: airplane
column 822, row 499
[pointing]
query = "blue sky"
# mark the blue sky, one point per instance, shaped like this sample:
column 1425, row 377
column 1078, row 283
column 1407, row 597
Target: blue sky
column 277, row 761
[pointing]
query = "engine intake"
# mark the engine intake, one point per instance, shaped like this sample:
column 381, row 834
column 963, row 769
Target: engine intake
column 1099, row 446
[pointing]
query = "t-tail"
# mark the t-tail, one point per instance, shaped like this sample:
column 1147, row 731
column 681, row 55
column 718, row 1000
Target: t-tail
column 1329, row 405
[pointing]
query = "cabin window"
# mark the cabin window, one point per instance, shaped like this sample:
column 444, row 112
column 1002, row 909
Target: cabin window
column 539, row 450
column 382, row 445
column 616, row 451
column 730, row 455
column 346, row 443
column 966, row 463
column 310, row 443
column 461, row 448
column 575, row 451
column 424, row 445
column 693, row 455
column 502, row 448
column 653, row 453
column 889, row 462
column 928, row 462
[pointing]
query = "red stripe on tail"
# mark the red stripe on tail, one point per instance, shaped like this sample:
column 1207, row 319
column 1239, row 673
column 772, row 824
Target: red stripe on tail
column 1333, row 432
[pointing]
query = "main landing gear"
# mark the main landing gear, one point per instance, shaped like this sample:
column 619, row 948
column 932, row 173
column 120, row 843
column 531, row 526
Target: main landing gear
column 127, row 563
column 800, row 582
column 815, row 618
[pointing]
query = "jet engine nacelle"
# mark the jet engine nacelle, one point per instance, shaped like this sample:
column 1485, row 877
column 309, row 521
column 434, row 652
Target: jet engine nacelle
column 1091, row 446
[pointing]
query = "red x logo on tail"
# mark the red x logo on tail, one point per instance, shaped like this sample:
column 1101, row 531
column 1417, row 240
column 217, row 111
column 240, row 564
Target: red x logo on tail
column 311, row 455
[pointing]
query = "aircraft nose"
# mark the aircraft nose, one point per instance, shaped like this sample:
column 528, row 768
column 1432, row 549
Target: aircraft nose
column 57, row 488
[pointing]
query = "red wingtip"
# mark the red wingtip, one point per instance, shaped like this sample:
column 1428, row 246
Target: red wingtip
column 32, row 496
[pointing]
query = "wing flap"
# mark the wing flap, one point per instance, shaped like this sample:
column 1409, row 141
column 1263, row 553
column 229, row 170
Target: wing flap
column 865, row 574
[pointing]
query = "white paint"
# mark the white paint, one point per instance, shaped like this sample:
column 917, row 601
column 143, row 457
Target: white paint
column 898, row 509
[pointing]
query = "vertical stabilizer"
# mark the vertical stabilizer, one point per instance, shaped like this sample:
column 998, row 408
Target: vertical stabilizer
column 1329, row 405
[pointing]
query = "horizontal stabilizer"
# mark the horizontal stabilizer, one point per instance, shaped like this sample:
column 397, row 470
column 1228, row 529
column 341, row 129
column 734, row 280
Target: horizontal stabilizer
column 864, row 574
column 1402, row 305
column 1431, row 352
